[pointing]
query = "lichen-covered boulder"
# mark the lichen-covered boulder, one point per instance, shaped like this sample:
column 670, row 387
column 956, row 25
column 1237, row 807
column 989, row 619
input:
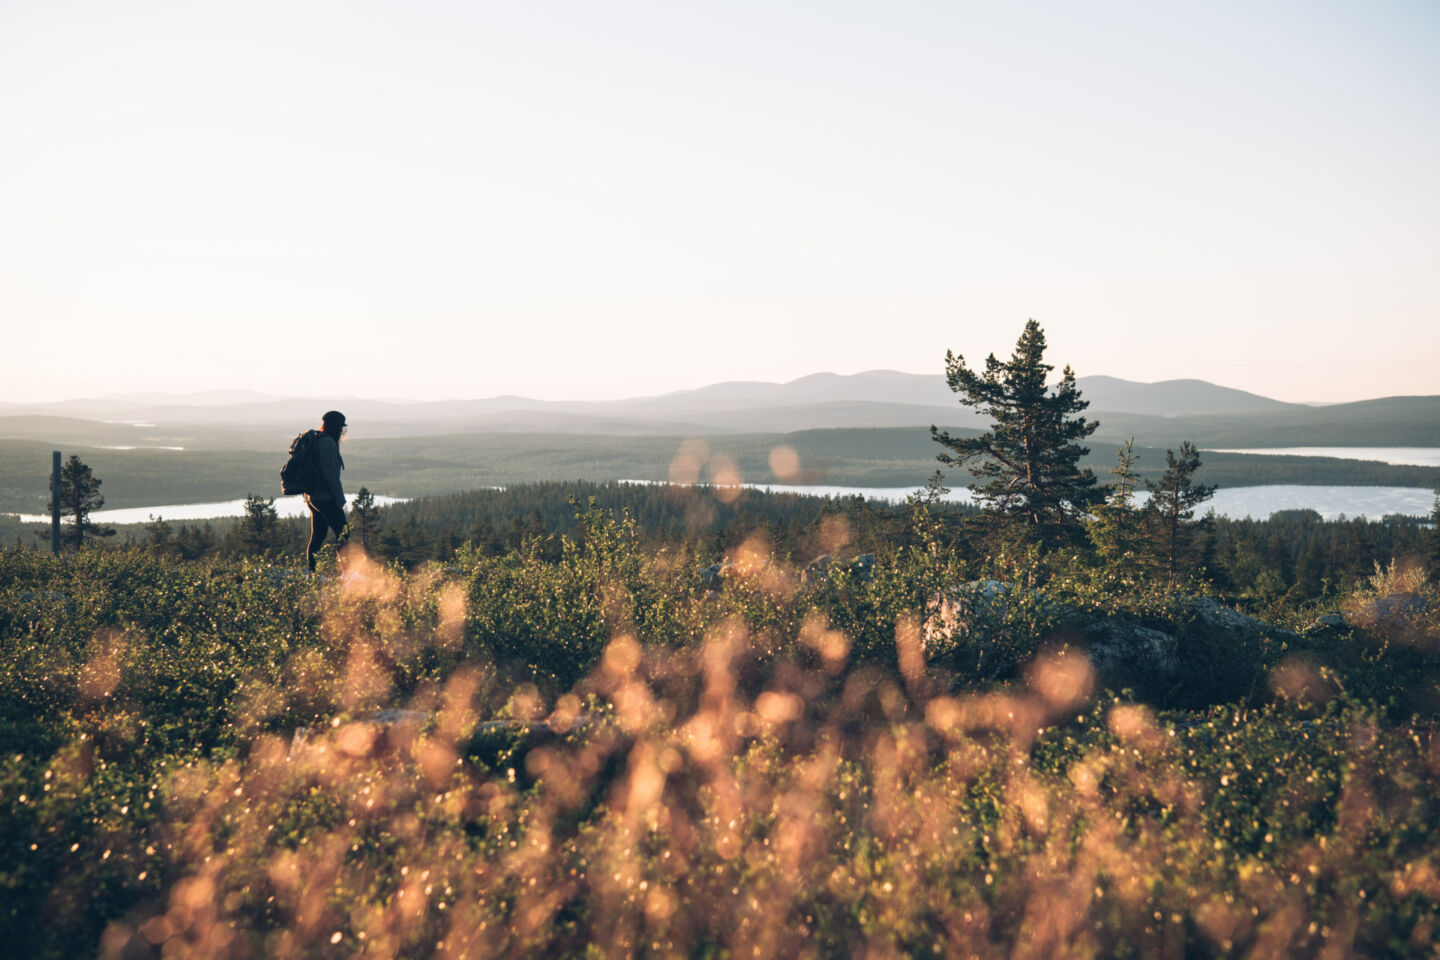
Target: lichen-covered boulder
column 968, row 609
column 1193, row 653
column 1216, row 617
column 1124, row 653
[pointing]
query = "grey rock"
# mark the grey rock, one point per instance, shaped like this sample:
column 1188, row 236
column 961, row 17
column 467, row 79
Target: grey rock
column 986, row 589
column 1215, row 616
column 1329, row 623
column 1121, row 648
column 964, row 609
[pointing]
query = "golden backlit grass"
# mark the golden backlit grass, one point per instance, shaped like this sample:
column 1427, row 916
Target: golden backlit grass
column 230, row 762
column 683, row 802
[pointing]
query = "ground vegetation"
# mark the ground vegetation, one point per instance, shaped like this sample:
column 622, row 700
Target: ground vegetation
column 574, row 744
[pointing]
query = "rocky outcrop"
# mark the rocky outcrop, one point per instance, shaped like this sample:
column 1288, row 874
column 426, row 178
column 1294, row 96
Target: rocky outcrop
column 978, row 608
column 1330, row 623
column 1121, row 648
column 1199, row 651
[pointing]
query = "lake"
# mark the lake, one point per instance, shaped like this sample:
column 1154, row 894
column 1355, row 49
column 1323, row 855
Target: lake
column 284, row 506
column 1258, row 502
column 1404, row 456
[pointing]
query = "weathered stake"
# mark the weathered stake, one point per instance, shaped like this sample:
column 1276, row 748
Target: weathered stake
column 55, row 503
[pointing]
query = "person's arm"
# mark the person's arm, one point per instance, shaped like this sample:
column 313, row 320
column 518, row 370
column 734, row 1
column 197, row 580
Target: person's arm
column 327, row 457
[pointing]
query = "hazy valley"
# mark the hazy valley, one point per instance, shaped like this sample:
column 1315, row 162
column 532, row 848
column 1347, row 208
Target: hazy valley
column 865, row 430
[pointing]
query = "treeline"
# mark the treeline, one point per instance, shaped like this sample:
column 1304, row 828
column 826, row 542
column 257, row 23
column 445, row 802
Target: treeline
column 1298, row 555
column 429, row 465
column 1294, row 556
column 1251, row 469
column 497, row 521
column 712, row 519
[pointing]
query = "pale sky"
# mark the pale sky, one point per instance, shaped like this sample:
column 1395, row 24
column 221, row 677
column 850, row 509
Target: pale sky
column 592, row 200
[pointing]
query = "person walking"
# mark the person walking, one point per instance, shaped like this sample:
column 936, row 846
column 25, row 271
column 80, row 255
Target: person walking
column 326, row 499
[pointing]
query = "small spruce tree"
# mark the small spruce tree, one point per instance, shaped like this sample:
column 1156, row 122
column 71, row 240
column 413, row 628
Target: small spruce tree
column 257, row 533
column 932, row 494
column 160, row 537
column 1117, row 527
column 195, row 542
column 364, row 519
column 1172, row 503
column 1434, row 538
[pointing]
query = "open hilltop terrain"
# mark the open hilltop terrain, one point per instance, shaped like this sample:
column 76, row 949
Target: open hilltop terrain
column 674, row 724
column 717, row 653
column 533, row 715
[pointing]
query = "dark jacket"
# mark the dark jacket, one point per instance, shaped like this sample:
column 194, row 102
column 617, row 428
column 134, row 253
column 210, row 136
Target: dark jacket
column 327, row 458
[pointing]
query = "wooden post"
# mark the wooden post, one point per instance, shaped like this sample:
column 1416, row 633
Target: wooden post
column 55, row 503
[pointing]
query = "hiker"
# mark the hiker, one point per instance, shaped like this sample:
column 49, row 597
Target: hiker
column 326, row 499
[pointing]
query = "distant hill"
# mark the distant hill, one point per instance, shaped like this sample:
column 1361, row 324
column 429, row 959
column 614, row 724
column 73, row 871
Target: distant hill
column 1160, row 413
column 1173, row 398
column 874, row 386
column 1389, row 421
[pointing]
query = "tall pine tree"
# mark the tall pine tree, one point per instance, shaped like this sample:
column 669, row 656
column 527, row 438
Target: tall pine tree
column 1028, row 461
column 79, row 497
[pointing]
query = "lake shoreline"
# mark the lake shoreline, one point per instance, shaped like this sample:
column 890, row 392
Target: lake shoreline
column 1257, row 501
column 190, row 512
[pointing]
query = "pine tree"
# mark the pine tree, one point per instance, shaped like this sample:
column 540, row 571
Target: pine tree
column 364, row 519
column 257, row 532
column 1028, row 461
column 79, row 497
column 1173, row 501
column 195, row 542
column 160, row 537
column 1434, row 539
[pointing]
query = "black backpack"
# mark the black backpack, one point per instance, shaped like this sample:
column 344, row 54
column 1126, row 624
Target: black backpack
column 300, row 473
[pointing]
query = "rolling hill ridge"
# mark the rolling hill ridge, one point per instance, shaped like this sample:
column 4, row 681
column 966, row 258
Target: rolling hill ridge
column 1159, row 413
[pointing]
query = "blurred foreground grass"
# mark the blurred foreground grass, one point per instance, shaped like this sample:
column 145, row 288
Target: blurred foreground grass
column 591, row 755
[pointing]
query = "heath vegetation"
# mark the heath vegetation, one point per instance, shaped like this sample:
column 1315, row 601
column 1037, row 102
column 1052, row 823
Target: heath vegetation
column 696, row 721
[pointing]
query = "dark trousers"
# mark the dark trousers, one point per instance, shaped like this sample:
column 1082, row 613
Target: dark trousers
column 325, row 515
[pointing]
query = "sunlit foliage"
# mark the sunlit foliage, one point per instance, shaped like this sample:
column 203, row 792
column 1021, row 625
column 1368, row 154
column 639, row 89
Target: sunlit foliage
column 584, row 751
